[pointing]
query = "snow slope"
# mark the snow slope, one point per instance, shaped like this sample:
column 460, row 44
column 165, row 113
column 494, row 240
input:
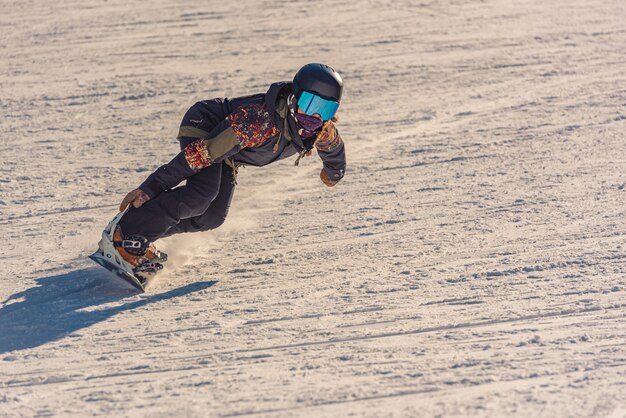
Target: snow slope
column 471, row 263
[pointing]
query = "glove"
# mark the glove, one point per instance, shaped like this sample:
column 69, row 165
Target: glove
column 327, row 181
column 137, row 197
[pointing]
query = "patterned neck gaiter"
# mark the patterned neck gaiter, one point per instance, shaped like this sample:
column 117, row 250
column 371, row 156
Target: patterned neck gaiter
column 307, row 125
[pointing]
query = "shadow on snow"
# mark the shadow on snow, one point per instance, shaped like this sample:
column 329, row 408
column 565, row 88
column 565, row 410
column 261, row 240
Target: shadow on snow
column 63, row 304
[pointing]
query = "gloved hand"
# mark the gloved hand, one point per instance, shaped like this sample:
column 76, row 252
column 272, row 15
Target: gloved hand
column 327, row 181
column 137, row 197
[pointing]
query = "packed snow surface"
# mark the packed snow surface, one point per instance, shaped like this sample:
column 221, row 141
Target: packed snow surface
column 471, row 263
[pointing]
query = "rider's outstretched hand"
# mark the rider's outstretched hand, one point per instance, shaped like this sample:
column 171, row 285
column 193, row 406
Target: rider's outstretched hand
column 327, row 181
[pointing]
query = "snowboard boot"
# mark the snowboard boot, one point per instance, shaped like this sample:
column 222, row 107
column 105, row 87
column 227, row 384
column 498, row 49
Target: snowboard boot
column 155, row 255
column 139, row 253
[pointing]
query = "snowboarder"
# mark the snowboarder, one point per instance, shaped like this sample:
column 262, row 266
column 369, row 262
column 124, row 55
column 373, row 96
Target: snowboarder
column 216, row 137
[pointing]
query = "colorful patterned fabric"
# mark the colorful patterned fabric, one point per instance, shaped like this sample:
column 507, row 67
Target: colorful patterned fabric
column 197, row 155
column 328, row 139
column 253, row 125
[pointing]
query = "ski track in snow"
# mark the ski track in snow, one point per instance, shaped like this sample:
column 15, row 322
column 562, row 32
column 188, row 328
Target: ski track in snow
column 471, row 263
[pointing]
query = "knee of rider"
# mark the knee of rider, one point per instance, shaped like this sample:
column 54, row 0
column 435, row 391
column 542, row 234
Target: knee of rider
column 214, row 222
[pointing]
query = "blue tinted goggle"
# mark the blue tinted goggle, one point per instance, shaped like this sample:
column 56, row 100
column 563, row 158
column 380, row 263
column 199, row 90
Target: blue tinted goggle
column 312, row 104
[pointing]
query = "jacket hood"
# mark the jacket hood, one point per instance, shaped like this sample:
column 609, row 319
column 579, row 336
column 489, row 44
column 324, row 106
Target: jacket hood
column 277, row 104
column 277, row 92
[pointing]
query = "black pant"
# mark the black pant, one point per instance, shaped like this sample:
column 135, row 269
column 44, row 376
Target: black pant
column 201, row 204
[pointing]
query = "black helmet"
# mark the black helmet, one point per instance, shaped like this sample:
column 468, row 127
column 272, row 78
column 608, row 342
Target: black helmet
column 319, row 79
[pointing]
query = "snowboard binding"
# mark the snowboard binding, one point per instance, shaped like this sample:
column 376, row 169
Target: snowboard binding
column 140, row 263
column 139, row 246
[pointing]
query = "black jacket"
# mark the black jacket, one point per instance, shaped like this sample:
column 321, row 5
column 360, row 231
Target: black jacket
column 253, row 130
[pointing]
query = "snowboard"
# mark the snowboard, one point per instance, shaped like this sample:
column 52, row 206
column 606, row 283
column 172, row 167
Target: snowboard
column 107, row 256
column 129, row 278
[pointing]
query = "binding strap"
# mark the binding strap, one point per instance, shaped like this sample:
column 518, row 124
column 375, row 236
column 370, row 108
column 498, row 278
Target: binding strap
column 134, row 244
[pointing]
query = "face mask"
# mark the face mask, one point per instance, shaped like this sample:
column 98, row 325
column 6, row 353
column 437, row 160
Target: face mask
column 308, row 124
